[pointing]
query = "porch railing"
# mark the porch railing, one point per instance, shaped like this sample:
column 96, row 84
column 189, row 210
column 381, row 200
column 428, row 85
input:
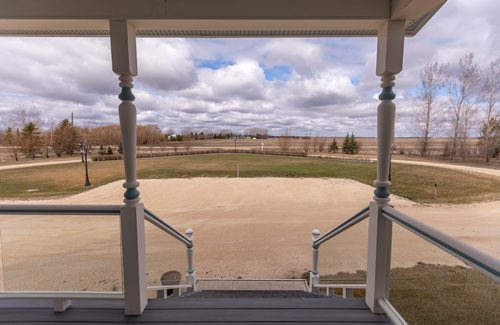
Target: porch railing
column 471, row 256
column 317, row 241
column 62, row 299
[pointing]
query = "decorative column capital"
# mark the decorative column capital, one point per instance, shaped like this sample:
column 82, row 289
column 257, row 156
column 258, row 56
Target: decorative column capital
column 387, row 82
column 126, row 83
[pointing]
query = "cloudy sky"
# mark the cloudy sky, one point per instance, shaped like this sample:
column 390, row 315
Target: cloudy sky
column 313, row 85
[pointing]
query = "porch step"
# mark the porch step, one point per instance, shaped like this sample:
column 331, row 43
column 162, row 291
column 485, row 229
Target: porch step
column 253, row 294
column 252, row 285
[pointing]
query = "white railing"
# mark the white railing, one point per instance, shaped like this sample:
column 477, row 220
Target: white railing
column 317, row 241
column 62, row 299
column 471, row 256
column 379, row 241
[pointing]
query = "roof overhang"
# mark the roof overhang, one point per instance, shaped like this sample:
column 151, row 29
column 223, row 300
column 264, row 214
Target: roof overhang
column 213, row 18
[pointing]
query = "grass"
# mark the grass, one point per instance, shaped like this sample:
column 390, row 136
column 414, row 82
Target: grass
column 410, row 181
column 438, row 294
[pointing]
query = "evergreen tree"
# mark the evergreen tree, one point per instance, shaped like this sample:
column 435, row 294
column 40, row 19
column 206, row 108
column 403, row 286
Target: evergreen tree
column 354, row 145
column 65, row 138
column 346, row 145
column 109, row 151
column 334, row 147
column 120, row 148
column 350, row 145
column 101, row 150
column 31, row 141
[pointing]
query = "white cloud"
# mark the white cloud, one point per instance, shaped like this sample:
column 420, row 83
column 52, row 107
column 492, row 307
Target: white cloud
column 329, row 88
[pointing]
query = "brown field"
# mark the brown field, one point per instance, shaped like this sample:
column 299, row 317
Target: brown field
column 404, row 147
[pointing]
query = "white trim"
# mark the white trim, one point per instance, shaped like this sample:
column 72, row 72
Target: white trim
column 61, row 295
column 391, row 312
column 341, row 286
column 167, row 287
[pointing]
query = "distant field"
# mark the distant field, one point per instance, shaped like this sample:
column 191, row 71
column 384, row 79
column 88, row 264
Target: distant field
column 413, row 182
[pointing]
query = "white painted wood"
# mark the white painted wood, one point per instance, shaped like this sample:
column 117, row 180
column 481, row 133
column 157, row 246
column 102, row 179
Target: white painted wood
column 194, row 18
column 194, row 9
column 43, row 209
column 133, row 258
column 191, row 272
column 2, row 279
column 342, row 286
column 379, row 257
column 71, row 295
column 61, row 305
column 386, row 118
column 347, row 293
column 82, row 9
column 390, row 47
column 314, row 274
column 123, row 48
column 166, row 287
column 413, row 9
column 391, row 312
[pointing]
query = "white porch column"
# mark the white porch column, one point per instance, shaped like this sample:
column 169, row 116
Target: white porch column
column 123, row 53
column 390, row 49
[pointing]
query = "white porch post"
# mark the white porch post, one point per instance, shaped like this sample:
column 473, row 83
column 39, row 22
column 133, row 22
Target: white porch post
column 123, row 53
column 389, row 63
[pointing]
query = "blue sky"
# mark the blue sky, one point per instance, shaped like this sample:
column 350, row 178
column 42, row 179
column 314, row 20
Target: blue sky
column 321, row 86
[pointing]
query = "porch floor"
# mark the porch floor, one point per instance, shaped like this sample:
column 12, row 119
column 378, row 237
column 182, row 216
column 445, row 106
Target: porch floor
column 196, row 311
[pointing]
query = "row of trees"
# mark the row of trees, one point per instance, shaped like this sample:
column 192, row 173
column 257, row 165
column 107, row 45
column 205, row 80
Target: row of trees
column 460, row 101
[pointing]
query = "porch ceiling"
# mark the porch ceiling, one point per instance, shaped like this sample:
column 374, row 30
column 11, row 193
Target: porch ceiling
column 213, row 18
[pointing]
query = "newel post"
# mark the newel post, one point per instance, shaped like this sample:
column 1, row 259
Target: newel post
column 314, row 274
column 191, row 272
column 390, row 50
column 124, row 58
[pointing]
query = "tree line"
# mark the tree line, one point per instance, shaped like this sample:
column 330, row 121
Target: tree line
column 457, row 102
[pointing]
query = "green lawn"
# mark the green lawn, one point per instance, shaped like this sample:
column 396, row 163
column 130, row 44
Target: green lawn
column 413, row 182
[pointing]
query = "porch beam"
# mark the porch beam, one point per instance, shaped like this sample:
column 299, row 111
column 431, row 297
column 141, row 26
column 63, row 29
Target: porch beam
column 413, row 9
column 194, row 9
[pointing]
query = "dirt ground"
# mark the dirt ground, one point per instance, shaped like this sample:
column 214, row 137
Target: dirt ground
column 244, row 227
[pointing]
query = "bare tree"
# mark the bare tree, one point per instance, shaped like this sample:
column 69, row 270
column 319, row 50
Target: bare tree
column 462, row 88
column 321, row 144
column 187, row 139
column 490, row 94
column 432, row 81
column 306, row 143
column 12, row 140
column 315, row 143
column 285, row 141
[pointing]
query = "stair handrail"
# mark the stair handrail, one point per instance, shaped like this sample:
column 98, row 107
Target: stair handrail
column 471, row 256
column 317, row 241
column 162, row 225
column 352, row 221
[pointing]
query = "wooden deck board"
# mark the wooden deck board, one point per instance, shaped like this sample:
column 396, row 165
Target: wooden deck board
column 196, row 311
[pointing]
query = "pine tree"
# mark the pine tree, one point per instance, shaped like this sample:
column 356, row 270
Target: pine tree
column 346, row 145
column 354, row 145
column 65, row 138
column 31, row 141
column 334, row 147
